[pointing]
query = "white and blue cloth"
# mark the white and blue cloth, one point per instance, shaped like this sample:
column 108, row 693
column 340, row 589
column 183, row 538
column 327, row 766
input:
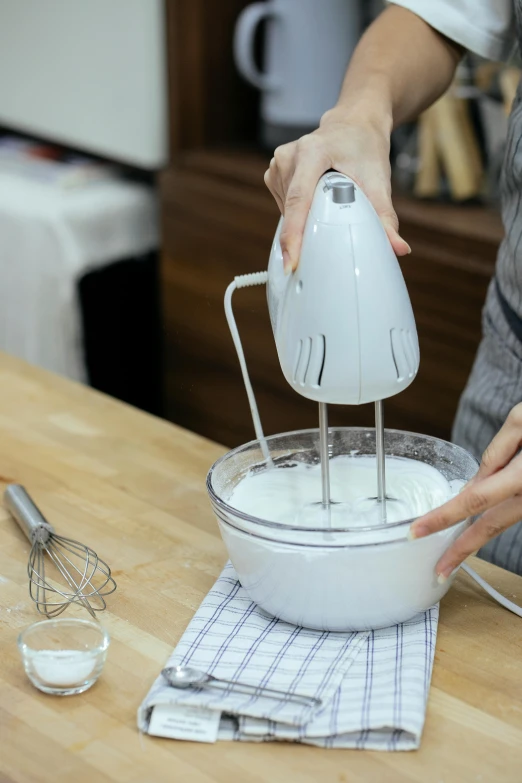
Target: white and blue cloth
column 373, row 685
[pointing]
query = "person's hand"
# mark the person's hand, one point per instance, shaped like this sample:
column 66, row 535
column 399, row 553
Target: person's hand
column 357, row 148
column 495, row 493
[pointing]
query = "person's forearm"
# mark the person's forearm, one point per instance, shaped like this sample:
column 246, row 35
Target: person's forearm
column 399, row 68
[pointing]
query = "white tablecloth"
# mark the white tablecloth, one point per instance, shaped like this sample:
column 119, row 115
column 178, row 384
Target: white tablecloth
column 49, row 238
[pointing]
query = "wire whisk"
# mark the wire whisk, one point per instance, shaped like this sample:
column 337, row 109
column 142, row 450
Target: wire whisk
column 87, row 578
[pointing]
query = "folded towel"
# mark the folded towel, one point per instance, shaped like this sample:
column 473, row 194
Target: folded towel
column 373, row 685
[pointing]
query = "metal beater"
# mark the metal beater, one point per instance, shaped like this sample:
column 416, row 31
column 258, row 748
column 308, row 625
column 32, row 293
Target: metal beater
column 88, row 579
column 324, row 451
column 343, row 322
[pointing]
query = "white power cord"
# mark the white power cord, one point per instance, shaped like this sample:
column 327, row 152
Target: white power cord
column 505, row 602
column 244, row 281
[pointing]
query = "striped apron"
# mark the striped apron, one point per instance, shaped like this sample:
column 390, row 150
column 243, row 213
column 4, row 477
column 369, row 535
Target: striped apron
column 495, row 383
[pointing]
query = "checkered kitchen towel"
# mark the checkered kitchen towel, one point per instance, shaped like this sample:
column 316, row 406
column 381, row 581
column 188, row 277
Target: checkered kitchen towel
column 373, row 685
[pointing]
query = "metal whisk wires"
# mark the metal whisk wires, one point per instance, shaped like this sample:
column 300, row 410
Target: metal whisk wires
column 79, row 577
column 87, row 578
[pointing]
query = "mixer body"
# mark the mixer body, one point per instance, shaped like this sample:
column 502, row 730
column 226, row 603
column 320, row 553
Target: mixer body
column 343, row 322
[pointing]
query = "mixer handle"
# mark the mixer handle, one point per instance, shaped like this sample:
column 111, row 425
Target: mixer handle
column 28, row 516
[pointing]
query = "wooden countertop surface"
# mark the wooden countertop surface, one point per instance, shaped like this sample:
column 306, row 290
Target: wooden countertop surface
column 133, row 488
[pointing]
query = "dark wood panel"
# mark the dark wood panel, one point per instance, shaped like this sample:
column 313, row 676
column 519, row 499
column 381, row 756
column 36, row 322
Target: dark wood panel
column 209, row 102
column 219, row 222
column 460, row 224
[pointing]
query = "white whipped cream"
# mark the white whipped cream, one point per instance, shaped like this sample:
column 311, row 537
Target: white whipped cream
column 292, row 495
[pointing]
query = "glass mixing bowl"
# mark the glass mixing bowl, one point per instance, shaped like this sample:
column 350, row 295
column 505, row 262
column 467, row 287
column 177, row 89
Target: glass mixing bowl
column 342, row 578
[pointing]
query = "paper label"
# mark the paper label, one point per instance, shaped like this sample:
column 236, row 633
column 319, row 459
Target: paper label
column 184, row 723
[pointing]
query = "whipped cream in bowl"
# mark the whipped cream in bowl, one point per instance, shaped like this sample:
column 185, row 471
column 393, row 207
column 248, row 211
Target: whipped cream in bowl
column 341, row 568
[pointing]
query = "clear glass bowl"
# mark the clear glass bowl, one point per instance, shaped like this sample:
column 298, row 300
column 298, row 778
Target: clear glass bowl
column 63, row 656
column 335, row 579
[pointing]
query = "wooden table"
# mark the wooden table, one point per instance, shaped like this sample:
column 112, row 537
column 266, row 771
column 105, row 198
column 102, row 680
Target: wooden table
column 132, row 486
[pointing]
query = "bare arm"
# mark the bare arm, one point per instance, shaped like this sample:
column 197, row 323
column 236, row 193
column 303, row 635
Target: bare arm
column 400, row 66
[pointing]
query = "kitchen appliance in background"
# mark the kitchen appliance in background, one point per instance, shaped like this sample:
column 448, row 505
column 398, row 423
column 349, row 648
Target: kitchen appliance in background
column 307, row 45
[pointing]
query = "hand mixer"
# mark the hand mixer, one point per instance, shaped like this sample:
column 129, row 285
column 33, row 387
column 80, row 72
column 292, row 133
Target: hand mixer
column 343, row 322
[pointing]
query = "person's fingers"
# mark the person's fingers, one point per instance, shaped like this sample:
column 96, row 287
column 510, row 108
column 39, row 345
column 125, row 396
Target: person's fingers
column 504, row 445
column 273, row 183
column 284, row 166
column 310, row 163
column 292, row 177
column 399, row 245
column 382, row 203
column 473, row 500
column 493, row 522
column 282, row 182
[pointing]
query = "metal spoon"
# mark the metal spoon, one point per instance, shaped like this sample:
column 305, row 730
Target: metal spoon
column 187, row 677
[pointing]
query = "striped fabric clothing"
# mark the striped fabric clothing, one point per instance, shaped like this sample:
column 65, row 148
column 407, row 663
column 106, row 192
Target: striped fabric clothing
column 493, row 388
column 373, row 685
column 495, row 383
column 509, row 261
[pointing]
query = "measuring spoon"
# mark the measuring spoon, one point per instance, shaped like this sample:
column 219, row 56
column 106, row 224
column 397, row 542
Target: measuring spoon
column 187, row 677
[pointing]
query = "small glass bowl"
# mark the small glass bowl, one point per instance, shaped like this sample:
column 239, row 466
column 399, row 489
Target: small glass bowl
column 63, row 656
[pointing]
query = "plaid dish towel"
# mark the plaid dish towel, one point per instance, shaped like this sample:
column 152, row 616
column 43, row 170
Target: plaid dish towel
column 373, row 685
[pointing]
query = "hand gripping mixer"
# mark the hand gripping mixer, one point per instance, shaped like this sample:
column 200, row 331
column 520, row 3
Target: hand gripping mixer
column 343, row 322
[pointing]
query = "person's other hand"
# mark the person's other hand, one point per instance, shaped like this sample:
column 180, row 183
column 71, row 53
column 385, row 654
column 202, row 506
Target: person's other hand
column 356, row 148
column 495, row 493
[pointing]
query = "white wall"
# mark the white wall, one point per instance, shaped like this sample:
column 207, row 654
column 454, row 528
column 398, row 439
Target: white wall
column 87, row 73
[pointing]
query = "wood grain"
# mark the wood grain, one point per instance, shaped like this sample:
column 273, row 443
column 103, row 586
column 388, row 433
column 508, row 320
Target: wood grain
column 219, row 221
column 133, row 487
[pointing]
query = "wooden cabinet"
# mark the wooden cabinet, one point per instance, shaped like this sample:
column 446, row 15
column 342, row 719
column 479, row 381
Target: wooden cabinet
column 219, row 221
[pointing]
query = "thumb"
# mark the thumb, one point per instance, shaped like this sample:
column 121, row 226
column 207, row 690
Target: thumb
column 297, row 204
column 384, row 208
column 399, row 245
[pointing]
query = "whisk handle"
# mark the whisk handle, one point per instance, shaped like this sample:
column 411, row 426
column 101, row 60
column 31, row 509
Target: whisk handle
column 28, row 516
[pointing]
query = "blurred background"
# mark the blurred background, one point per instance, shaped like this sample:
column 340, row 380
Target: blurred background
column 134, row 135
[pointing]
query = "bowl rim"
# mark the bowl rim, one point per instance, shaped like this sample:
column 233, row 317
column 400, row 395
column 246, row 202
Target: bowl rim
column 226, row 508
column 58, row 622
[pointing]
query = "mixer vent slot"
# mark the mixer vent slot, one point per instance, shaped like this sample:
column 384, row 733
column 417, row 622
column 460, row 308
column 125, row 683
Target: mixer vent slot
column 309, row 361
column 307, row 354
column 408, row 352
column 302, row 360
column 393, row 340
column 322, row 346
column 297, row 359
column 412, row 352
column 403, row 353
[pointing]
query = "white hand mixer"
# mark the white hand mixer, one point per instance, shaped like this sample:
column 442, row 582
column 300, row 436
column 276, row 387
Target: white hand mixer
column 343, row 322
